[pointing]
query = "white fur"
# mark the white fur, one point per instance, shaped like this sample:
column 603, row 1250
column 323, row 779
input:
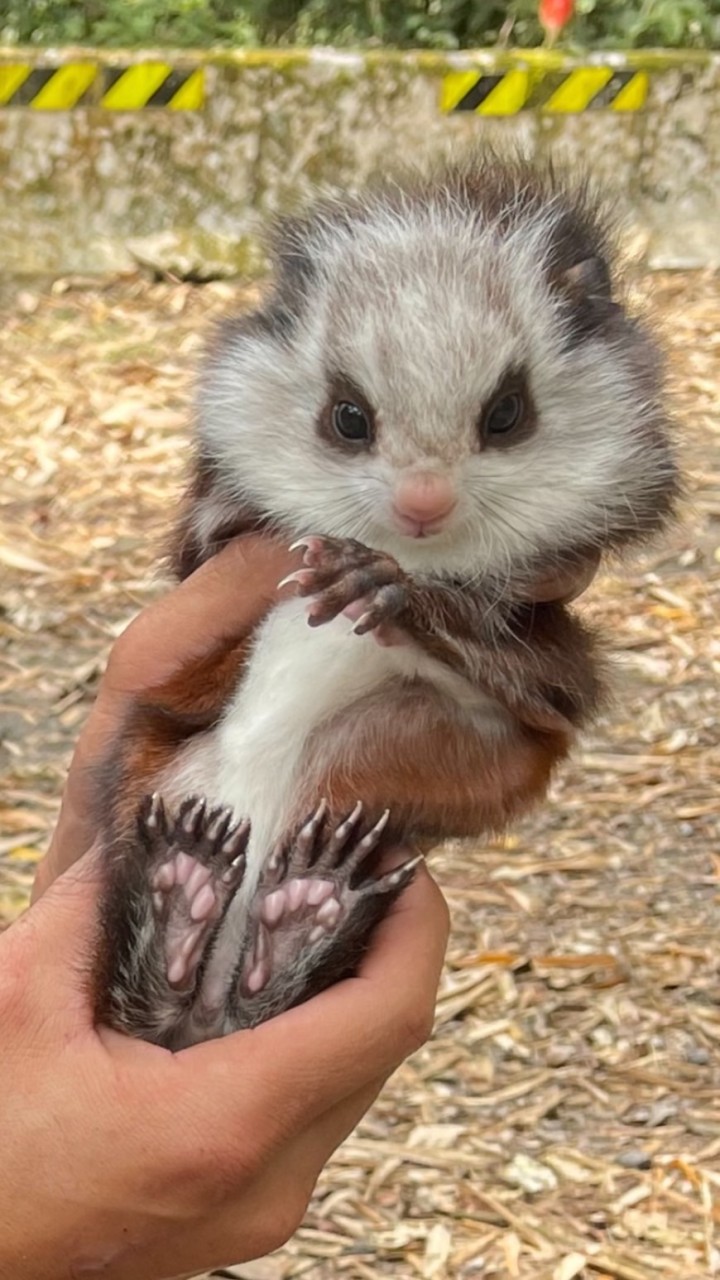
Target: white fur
column 425, row 311
column 297, row 678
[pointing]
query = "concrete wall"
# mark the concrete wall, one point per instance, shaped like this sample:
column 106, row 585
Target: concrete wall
column 90, row 189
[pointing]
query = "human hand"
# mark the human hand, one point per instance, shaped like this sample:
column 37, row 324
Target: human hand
column 122, row 1158
column 225, row 598
column 566, row 583
column 119, row 1156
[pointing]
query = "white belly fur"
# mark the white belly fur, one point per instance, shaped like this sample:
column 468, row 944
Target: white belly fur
column 296, row 678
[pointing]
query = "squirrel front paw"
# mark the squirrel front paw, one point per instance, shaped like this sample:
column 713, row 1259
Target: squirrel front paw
column 345, row 577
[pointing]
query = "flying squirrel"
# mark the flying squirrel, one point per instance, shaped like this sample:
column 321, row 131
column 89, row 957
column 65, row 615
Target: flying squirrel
column 442, row 394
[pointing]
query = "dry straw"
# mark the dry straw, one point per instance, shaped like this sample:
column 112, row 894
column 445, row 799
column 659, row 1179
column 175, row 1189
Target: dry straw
column 565, row 1120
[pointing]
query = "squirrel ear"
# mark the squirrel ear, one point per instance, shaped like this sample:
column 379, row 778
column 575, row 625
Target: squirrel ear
column 587, row 279
column 586, row 289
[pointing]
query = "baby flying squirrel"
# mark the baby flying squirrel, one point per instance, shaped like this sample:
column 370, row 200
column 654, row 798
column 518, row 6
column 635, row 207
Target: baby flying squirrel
column 441, row 396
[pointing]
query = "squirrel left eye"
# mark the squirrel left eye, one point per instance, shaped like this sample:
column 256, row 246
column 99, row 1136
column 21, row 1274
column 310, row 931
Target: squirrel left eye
column 351, row 422
column 504, row 414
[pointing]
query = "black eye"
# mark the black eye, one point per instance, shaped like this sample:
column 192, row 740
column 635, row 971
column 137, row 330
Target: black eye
column 504, row 414
column 351, row 422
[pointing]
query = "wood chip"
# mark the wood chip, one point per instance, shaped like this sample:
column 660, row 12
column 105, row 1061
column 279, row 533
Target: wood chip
column 535, row 1062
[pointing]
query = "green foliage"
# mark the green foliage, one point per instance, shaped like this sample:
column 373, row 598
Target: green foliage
column 429, row 24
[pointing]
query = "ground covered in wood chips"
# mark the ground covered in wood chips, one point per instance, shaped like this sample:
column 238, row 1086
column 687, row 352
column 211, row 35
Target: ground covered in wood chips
column 565, row 1120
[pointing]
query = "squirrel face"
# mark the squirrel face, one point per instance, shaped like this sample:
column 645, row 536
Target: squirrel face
column 444, row 372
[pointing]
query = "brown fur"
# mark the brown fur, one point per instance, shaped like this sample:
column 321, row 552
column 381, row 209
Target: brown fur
column 402, row 749
column 445, row 761
column 192, row 701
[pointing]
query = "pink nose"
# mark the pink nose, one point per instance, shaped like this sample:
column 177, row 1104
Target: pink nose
column 424, row 497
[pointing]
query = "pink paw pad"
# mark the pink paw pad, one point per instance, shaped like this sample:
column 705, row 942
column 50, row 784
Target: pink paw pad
column 203, row 904
column 312, row 884
column 183, row 871
column 305, row 903
column 295, row 897
column 185, row 935
column 196, row 862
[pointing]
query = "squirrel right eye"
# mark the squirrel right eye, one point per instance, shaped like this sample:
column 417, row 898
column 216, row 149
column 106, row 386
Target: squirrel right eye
column 351, row 422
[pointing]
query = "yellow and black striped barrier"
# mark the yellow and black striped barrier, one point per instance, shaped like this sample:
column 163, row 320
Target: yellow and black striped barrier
column 483, row 82
column 558, row 92
column 128, row 87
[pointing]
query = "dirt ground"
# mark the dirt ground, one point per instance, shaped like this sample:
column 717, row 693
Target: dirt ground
column 565, row 1119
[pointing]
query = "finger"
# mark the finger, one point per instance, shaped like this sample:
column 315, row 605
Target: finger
column 60, row 933
column 312, row 1057
column 258, row 1215
column 580, row 581
column 76, row 828
column 224, row 598
column 567, row 582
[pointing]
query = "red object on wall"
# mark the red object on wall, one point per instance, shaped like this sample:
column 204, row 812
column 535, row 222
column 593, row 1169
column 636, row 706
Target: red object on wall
column 553, row 15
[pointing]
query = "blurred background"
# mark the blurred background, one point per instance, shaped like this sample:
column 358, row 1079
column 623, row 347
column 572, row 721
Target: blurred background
column 428, row 24
column 565, row 1120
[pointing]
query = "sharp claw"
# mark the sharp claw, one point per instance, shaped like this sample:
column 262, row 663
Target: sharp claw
column 218, row 825
column 370, row 839
column 301, row 542
column 403, row 872
column 235, row 840
column 359, row 849
column 363, row 624
column 301, row 577
column 346, row 826
column 191, row 815
column 398, row 877
column 375, row 832
column 156, row 813
column 353, row 817
column 310, row 827
column 305, row 840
